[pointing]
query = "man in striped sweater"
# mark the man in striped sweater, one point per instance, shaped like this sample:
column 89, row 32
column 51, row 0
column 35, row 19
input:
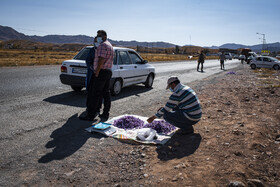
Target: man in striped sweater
column 183, row 109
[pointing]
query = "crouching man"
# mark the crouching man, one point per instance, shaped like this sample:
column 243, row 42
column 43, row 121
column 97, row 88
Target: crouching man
column 182, row 110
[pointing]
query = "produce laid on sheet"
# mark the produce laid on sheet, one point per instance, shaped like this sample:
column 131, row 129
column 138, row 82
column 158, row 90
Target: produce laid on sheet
column 131, row 122
column 161, row 126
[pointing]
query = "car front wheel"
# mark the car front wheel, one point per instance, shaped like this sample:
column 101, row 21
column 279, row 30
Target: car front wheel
column 253, row 66
column 150, row 80
column 117, row 87
column 276, row 67
column 77, row 88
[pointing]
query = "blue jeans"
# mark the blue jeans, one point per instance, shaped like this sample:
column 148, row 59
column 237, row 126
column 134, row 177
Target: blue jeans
column 178, row 119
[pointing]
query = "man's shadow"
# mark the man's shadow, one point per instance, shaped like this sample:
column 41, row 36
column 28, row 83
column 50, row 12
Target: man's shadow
column 67, row 139
column 179, row 146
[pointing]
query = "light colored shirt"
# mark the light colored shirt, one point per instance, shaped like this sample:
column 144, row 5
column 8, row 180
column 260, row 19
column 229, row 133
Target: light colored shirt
column 186, row 100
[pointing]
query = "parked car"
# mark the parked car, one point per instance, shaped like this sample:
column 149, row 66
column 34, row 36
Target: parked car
column 129, row 68
column 228, row 56
column 235, row 56
column 249, row 59
column 251, row 56
column 265, row 62
column 241, row 57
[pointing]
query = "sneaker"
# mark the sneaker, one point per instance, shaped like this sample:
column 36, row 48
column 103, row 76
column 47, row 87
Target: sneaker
column 186, row 131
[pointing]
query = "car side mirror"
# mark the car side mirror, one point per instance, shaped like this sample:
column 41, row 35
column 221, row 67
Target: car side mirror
column 142, row 62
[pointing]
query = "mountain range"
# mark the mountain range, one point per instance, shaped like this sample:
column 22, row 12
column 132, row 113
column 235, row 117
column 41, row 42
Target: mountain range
column 8, row 33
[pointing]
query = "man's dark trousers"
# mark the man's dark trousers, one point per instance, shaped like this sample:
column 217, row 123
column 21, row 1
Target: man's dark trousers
column 100, row 88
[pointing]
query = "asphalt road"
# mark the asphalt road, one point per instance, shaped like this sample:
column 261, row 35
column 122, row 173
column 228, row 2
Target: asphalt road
column 39, row 115
column 39, row 80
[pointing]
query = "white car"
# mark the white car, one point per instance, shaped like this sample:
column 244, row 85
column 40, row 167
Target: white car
column 128, row 69
column 228, row 55
column 265, row 62
column 241, row 57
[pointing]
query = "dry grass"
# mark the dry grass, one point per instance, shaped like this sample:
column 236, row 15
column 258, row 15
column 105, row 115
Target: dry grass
column 168, row 57
column 269, row 77
column 31, row 57
column 17, row 57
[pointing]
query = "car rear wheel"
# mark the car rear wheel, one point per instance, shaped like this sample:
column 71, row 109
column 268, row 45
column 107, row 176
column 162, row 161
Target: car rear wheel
column 150, row 80
column 253, row 66
column 276, row 67
column 77, row 88
column 117, row 87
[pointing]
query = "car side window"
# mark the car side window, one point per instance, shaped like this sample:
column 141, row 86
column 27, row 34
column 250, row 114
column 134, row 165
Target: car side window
column 82, row 55
column 115, row 58
column 134, row 57
column 259, row 59
column 266, row 60
column 124, row 58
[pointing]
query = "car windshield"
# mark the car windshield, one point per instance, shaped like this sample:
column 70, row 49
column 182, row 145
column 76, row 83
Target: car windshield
column 273, row 59
column 82, row 55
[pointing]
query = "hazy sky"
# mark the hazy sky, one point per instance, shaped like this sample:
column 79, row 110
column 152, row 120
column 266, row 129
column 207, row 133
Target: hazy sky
column 181, row 22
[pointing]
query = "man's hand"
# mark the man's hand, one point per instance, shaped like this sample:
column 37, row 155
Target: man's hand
column 100, row 63
column 151, row 119
column 96, row 73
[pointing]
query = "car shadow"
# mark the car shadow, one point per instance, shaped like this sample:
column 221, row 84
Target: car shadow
column 68, row 139
column 72, row 98
column 78, row 99
column 179, row 146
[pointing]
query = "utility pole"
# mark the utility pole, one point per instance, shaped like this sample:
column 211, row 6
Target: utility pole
column 263, row 40
column 191, row 43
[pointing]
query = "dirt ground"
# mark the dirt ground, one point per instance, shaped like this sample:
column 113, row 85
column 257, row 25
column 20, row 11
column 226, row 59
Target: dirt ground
column 237, row 142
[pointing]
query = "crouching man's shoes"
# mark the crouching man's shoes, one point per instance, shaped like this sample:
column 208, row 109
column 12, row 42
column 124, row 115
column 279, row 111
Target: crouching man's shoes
column 186, row 131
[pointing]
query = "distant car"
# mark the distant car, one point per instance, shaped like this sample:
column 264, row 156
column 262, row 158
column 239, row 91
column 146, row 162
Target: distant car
column 251, row 56
column 249, row 59
column 265, row 62
column 241, row 57
column 129, row 68
column 235, row 56
column 228, row 56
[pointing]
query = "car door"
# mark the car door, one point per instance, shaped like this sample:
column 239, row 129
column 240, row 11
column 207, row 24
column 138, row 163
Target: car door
column 259, row 62
column 267, row 63
column 140, row 72
column 125, row 68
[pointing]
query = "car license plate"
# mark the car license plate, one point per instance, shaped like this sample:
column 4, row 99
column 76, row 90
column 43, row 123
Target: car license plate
column 79, row 70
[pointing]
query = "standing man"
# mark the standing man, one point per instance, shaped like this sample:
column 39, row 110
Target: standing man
column 103, row 63
column 89, row 62
column 222, row 60
column 201, row 59
column 90, row 72
column 183, row 109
